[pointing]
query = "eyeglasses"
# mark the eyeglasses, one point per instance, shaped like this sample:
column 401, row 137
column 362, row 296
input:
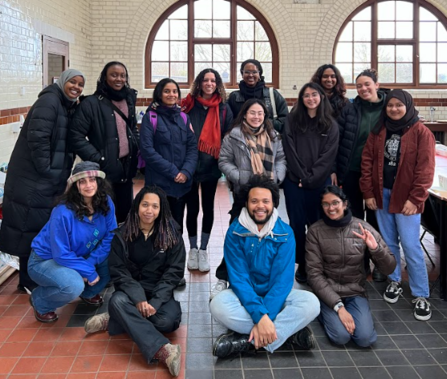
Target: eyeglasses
column 251, row 72
column 254, row 113
column 309, row 95
column 334, row 204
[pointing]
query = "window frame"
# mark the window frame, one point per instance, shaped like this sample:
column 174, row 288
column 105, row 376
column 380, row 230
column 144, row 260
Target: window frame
column 375, row 42
column 232, row 41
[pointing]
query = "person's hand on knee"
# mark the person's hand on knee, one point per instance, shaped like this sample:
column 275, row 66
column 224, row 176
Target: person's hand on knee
column 94, row 281
column 347, row 320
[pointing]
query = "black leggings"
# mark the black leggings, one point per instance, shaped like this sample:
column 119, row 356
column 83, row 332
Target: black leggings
column 208, row 191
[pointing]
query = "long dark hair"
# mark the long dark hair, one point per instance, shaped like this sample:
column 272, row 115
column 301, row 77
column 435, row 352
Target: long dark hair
column 241, row 116
column 298, row 115
column 337, row 191
column 73, row 199
column 101, row 87
column 165, row 232
column 197, row 84
column 158, row 90
column 337, row 98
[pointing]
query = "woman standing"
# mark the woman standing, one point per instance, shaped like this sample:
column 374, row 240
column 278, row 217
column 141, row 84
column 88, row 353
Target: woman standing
column 335, row 250
column 252, row 147
column 146, row 262
column 252, row 86
column 210, row 118
column 39, row 168
column 169, row 147
column 69, row 255
column 310, row 144
column 107, row 119
column 398, row 165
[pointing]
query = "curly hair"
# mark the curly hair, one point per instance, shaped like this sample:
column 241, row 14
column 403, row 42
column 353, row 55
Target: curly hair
column 337, row 98
column 73, row 199
column 261, row 181
column 196, row 86
column 166, row 231
column 101, row 83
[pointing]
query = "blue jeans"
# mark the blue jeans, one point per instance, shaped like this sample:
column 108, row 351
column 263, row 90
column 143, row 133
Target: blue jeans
column 58, row 285
column 364, row 334
column 396, row 227
column 300, row 308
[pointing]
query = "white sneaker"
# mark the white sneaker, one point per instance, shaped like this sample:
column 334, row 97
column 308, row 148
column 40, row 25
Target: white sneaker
column 204, row 266
column 193, row 259
column 218, row 287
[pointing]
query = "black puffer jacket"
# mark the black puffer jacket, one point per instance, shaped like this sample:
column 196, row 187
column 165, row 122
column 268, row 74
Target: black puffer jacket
column 38, row 171
column 207, row 165
column 95, row 119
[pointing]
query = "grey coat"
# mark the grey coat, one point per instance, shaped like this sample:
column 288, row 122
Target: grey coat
column 235, row 163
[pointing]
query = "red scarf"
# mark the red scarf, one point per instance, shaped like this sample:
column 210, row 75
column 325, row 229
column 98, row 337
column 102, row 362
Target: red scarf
column 210, row 137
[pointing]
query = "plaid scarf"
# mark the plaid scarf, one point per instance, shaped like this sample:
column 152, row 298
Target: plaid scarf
column 260, row 146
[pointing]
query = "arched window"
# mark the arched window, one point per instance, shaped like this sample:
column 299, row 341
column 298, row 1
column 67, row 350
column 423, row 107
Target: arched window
column 195, row 34
column 406, row 41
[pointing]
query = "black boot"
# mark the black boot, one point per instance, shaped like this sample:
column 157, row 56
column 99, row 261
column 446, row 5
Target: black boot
column 303, row 339
column 231, row 343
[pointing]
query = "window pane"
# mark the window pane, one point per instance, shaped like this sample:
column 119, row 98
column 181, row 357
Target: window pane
column 202, row 9
column 404, row 10
column 442, row 73
column 362, row 31
column 427, row 31
column 386, row 53
column 182, row 12
column 427, row 52
column 203, row 53
column 159, row 71
column 221, row 10
column 179, row 72
column 346, row 35
column 245, row 50
column 221, row 53
column 364, row 15
column 404, row 30
column 442, row 52
column 245, row 30
column 385, row 30
column 267, row 68
column 179, row 29
column 199, row 66
column 223, row 68
column 346, row 71
column 404, row 53
column 442, row 33
column 160, row 51
column 427, row 73
column 425, row 15
column 202, row 28
column 263, row 52
column 221, row 29
column 344, row 52
column 404, row 73
column 163, row 32
column 359, row 67
column 386, row 11
column 242, row 14
column 260, row 34
column 179, row 51
column 362, row 52
column 386, row 72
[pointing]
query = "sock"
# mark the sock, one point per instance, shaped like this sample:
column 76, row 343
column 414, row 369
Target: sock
column 162, row 354
column 193, row 242
column 204, row 241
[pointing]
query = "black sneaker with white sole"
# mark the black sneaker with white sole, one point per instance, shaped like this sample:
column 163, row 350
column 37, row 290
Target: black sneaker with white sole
column 422, row 311
column 392, row 292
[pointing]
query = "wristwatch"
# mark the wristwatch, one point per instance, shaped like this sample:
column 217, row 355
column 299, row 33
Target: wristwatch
column 338, row 306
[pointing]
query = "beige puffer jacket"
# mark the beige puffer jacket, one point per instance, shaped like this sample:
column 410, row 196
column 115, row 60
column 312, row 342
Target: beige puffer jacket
column 335, row 260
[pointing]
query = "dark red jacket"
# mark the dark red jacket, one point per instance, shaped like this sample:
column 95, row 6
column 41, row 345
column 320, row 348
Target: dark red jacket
column 414, row 173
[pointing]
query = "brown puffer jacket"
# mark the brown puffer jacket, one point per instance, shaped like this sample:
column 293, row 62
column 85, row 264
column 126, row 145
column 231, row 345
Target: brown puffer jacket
column 335, row 260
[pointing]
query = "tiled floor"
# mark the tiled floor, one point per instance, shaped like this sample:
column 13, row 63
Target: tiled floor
column 406, row 348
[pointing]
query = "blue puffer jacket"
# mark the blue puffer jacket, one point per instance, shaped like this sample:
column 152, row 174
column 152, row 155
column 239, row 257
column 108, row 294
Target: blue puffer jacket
column 168, row 150
column 260, row 271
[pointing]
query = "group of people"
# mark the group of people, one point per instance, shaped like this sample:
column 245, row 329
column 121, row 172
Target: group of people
column 74, row 231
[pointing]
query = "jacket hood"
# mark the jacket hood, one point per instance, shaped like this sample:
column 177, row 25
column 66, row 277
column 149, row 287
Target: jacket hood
column 55, row 90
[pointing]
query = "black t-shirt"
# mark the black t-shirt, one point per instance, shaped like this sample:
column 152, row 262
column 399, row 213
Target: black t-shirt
column 392, row 155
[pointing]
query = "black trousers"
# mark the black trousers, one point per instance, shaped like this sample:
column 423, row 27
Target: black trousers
column 208, row 192
column 177, row 206
column 145, row 332
column 123, row 199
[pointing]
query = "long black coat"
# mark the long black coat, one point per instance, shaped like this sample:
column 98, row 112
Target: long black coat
column 38, row 171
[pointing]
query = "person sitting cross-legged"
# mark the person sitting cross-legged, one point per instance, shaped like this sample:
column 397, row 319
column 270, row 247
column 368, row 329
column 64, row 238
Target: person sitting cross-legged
column 260, row 307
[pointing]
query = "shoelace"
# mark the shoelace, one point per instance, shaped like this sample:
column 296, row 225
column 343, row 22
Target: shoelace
column 421, row 302
column 394, row 287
